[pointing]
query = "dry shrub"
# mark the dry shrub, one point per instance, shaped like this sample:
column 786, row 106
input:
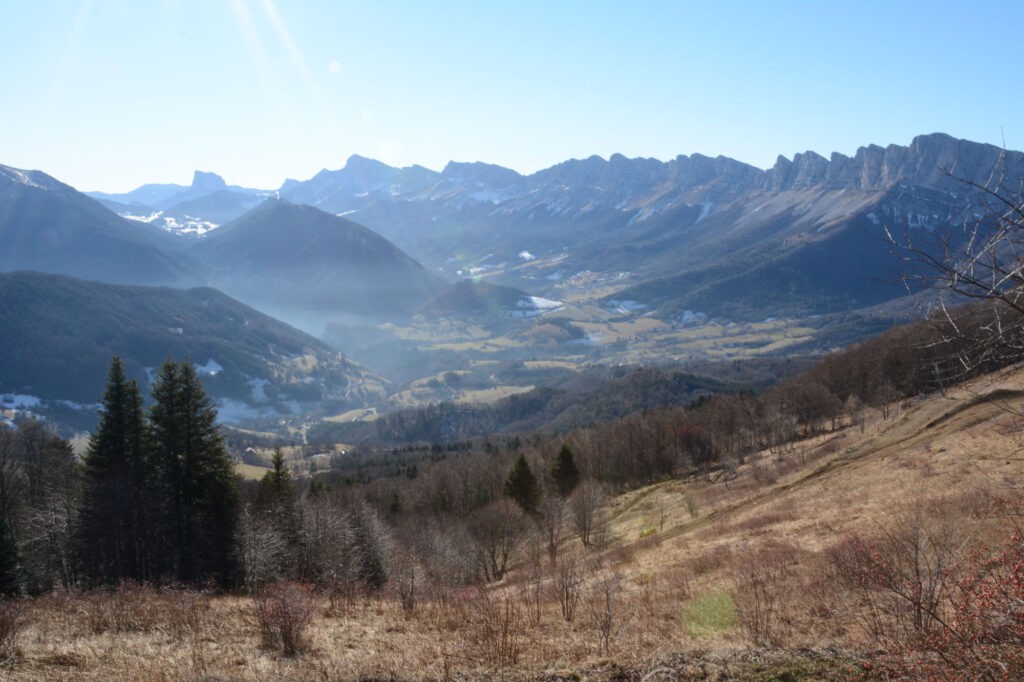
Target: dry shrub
column 495, row 628
column 604, row 605
column 13, row 618
column 762, row 590
column 129, row 607
column 676, row 581
column 532, row 596
column 284, row 611
column 902, row 579
column 568, row 577
column 711, row 559
column 445, row 608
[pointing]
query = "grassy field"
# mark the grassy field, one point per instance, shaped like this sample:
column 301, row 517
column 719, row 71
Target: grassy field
column 668, row 591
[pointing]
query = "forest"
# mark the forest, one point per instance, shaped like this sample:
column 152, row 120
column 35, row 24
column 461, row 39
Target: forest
column 155, row 503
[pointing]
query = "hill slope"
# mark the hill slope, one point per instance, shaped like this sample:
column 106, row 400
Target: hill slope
column 294, row 259
column 60, row 334
column 48, row 226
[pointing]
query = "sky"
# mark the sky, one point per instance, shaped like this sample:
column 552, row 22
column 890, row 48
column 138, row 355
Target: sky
column 110, row 94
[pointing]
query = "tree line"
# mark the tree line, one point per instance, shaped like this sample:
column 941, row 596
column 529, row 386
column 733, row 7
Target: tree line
column 154, row 499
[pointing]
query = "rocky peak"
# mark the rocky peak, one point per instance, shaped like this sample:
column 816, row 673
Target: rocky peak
column 207, row 182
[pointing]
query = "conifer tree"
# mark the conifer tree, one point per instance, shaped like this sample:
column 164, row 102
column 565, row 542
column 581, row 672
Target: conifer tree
column 115, row 525
column 521, row 485
column 199, row 492
column 564, row 472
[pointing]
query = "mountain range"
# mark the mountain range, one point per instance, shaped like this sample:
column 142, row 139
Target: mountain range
column 695, row 233
column 424, row 271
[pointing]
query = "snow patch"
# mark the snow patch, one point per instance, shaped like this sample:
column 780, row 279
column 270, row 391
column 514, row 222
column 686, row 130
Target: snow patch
column 527, row 256
column 705, row 210
column 23, row 178
column 19, row 401
column 142, row 218
column 532, row 306
column 692, row 317
column 625, row 307
column 211, row 368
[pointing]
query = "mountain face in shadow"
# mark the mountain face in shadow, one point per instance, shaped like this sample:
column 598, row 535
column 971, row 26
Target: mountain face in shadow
column 297, row 258
column 60, row 333
column 48, row 226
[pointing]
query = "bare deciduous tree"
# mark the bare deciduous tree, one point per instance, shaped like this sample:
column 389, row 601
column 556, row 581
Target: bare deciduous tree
column 983, row 263
column 587, row 507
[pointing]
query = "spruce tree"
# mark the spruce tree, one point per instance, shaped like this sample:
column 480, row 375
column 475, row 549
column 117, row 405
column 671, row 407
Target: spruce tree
column 199, row 491
column 521, row 485
column 115, row 526
column 564, row 472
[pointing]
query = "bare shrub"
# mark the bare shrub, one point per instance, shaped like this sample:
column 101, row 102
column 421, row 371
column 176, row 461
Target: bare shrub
column 692, row 504
column 568, row 578
column 711, row 559
column 284, row 611
column 604, row 605
column 446, row 610
column 903, row 578
column 495, row 628
column 129, row 607
column 589, row 514
column 532, row 595
column 13, row 618
column 761, row 591
column 406, row 578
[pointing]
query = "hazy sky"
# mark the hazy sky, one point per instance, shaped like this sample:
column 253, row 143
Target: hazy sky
column 109, row 94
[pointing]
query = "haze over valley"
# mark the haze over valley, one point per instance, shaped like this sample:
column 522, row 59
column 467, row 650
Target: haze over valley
column 524, row 341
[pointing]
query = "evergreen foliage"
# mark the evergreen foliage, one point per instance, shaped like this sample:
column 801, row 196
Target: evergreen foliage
column 198, row 489
column 115, row 529
column 521, row 486
column 564, row 472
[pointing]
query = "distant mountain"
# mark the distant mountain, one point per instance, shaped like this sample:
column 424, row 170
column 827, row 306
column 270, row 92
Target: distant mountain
column 59, row 335
column 708, row 234
column 48, row 226
column 192, row 211
column 296, row 260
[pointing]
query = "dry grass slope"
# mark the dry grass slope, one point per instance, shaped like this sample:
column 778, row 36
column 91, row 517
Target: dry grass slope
column 693, row 574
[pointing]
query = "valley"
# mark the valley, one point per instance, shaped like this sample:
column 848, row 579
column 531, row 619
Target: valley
column 614, row 419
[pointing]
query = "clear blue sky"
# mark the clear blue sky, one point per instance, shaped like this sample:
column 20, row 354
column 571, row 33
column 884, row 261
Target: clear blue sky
column 109, row 94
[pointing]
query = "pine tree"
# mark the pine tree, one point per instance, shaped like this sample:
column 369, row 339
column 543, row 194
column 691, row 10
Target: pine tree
column 564, row 472
column 199, row 492
column 521, row 485
column 114, row 530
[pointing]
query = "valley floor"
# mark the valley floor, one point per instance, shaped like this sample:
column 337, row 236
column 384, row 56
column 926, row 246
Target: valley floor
column 736, row 574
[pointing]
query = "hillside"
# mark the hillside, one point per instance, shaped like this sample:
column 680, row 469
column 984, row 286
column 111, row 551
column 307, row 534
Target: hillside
column 682, row 570
column 60, row 334
column 297, row 260
column 48, row 226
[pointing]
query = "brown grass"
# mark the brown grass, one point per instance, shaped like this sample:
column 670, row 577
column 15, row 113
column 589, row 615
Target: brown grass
column 765, row 537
